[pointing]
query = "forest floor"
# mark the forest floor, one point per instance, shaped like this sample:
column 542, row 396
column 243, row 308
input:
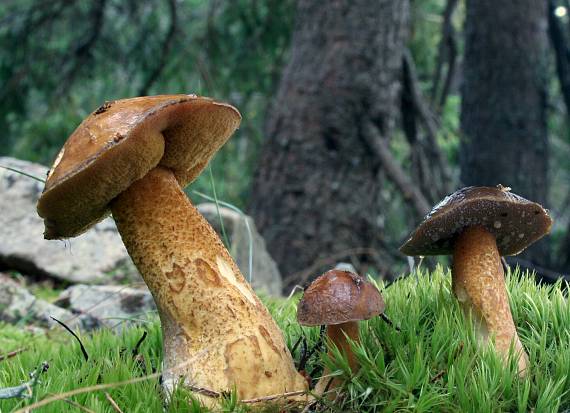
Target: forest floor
column 431, row 363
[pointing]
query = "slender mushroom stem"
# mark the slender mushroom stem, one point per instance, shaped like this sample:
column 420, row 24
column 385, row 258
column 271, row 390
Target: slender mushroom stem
column 338, row 334
column 208, row 312
column 479, row 284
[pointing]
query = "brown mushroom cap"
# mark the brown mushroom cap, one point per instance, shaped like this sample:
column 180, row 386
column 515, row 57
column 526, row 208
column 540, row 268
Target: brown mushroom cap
column 119, row 143
column 514, row 221
column 339, row 297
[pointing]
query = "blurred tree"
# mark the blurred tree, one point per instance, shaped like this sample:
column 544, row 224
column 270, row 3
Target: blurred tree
column 558, row 30
column 316, row 191
column 503, row 111
column 60, row 59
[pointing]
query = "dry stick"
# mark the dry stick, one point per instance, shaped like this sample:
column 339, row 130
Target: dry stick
column 437, row 376
column 452, row 44
column 396, row 173
column 425, row 115
column 12, row 354
column 105, row 386
column 28, row 387
column 113, row 403
column 75, row 404
column 274, row 397
column 67, row 394
column 447, row 39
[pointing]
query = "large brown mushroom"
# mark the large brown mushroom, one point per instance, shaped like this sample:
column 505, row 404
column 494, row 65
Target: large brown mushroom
column 478, row 225
column 339, row 300
column 132, row 158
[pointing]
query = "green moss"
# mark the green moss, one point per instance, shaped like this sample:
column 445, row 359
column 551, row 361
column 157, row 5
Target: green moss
column 432, row 364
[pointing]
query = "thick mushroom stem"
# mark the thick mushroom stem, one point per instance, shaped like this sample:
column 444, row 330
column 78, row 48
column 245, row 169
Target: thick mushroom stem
column 217, row 335
column 338, row 334
column 479, row 284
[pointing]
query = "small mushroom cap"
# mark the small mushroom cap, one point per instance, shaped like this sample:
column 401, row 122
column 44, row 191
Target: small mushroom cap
column 119, row 143
column 339, row 297
column 514, row 221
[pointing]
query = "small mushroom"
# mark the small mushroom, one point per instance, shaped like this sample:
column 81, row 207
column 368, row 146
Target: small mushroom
column 339, row 299
column 132, row 157
column 478, row 225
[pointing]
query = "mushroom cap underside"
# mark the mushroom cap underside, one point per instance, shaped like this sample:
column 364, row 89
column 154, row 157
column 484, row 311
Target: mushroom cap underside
column 119, row 143
column 514, row 221
column 339, row 297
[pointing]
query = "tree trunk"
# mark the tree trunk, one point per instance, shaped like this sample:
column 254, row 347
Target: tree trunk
column 316, row 192
column 503, row 111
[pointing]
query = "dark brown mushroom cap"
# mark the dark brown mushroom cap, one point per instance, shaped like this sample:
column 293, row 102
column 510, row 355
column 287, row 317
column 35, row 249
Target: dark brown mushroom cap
column 339, row 297
column 515, row 221
column 119, row 143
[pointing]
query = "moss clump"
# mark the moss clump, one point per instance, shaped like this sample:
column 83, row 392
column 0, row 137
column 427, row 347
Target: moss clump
column 432, row 364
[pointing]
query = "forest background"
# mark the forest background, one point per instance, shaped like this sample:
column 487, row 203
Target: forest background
column 358, row 116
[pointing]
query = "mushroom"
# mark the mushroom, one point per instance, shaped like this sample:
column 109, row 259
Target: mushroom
column 339, row 299
column 478, row 225
column 132, row 158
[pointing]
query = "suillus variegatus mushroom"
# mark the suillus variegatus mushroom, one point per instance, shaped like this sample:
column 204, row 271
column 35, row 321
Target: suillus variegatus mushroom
column 478, row 225
column 339, row 300
column 132, row 158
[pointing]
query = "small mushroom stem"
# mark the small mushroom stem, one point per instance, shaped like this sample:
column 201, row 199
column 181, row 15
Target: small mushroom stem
column 338, row 334
column 479, row 285
column 216, row 332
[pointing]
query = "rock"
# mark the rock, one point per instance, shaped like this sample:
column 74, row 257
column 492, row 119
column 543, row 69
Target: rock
column 19, row 306
column 98, row 256
column 265, row 275
column 107, row 305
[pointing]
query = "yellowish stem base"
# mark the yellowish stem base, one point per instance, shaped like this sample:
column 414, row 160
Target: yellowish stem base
column 217, row 334
column 479, row 285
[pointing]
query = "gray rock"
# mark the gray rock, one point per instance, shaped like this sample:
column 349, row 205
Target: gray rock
column 98, row 256
column 19, row 306
column 265, row 275
column 112, row 306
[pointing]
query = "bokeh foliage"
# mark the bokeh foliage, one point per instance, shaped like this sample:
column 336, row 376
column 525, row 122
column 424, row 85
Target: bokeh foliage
column 60, row 59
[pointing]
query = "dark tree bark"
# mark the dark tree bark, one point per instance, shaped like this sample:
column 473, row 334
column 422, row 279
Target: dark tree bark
column 503, row 111
column 558, row 38
column 316, row 192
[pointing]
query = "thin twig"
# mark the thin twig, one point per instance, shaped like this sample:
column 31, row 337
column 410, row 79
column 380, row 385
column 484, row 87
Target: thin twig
column 447, row 41
column 74, row 335
column 12, row 353
column 274, row 397
column 379, row 145
column 26, row 390
column 437, row 376
column 75, row 404
column 113, row 403
column 105, row 386
column 82, row 390
column 427, row 118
